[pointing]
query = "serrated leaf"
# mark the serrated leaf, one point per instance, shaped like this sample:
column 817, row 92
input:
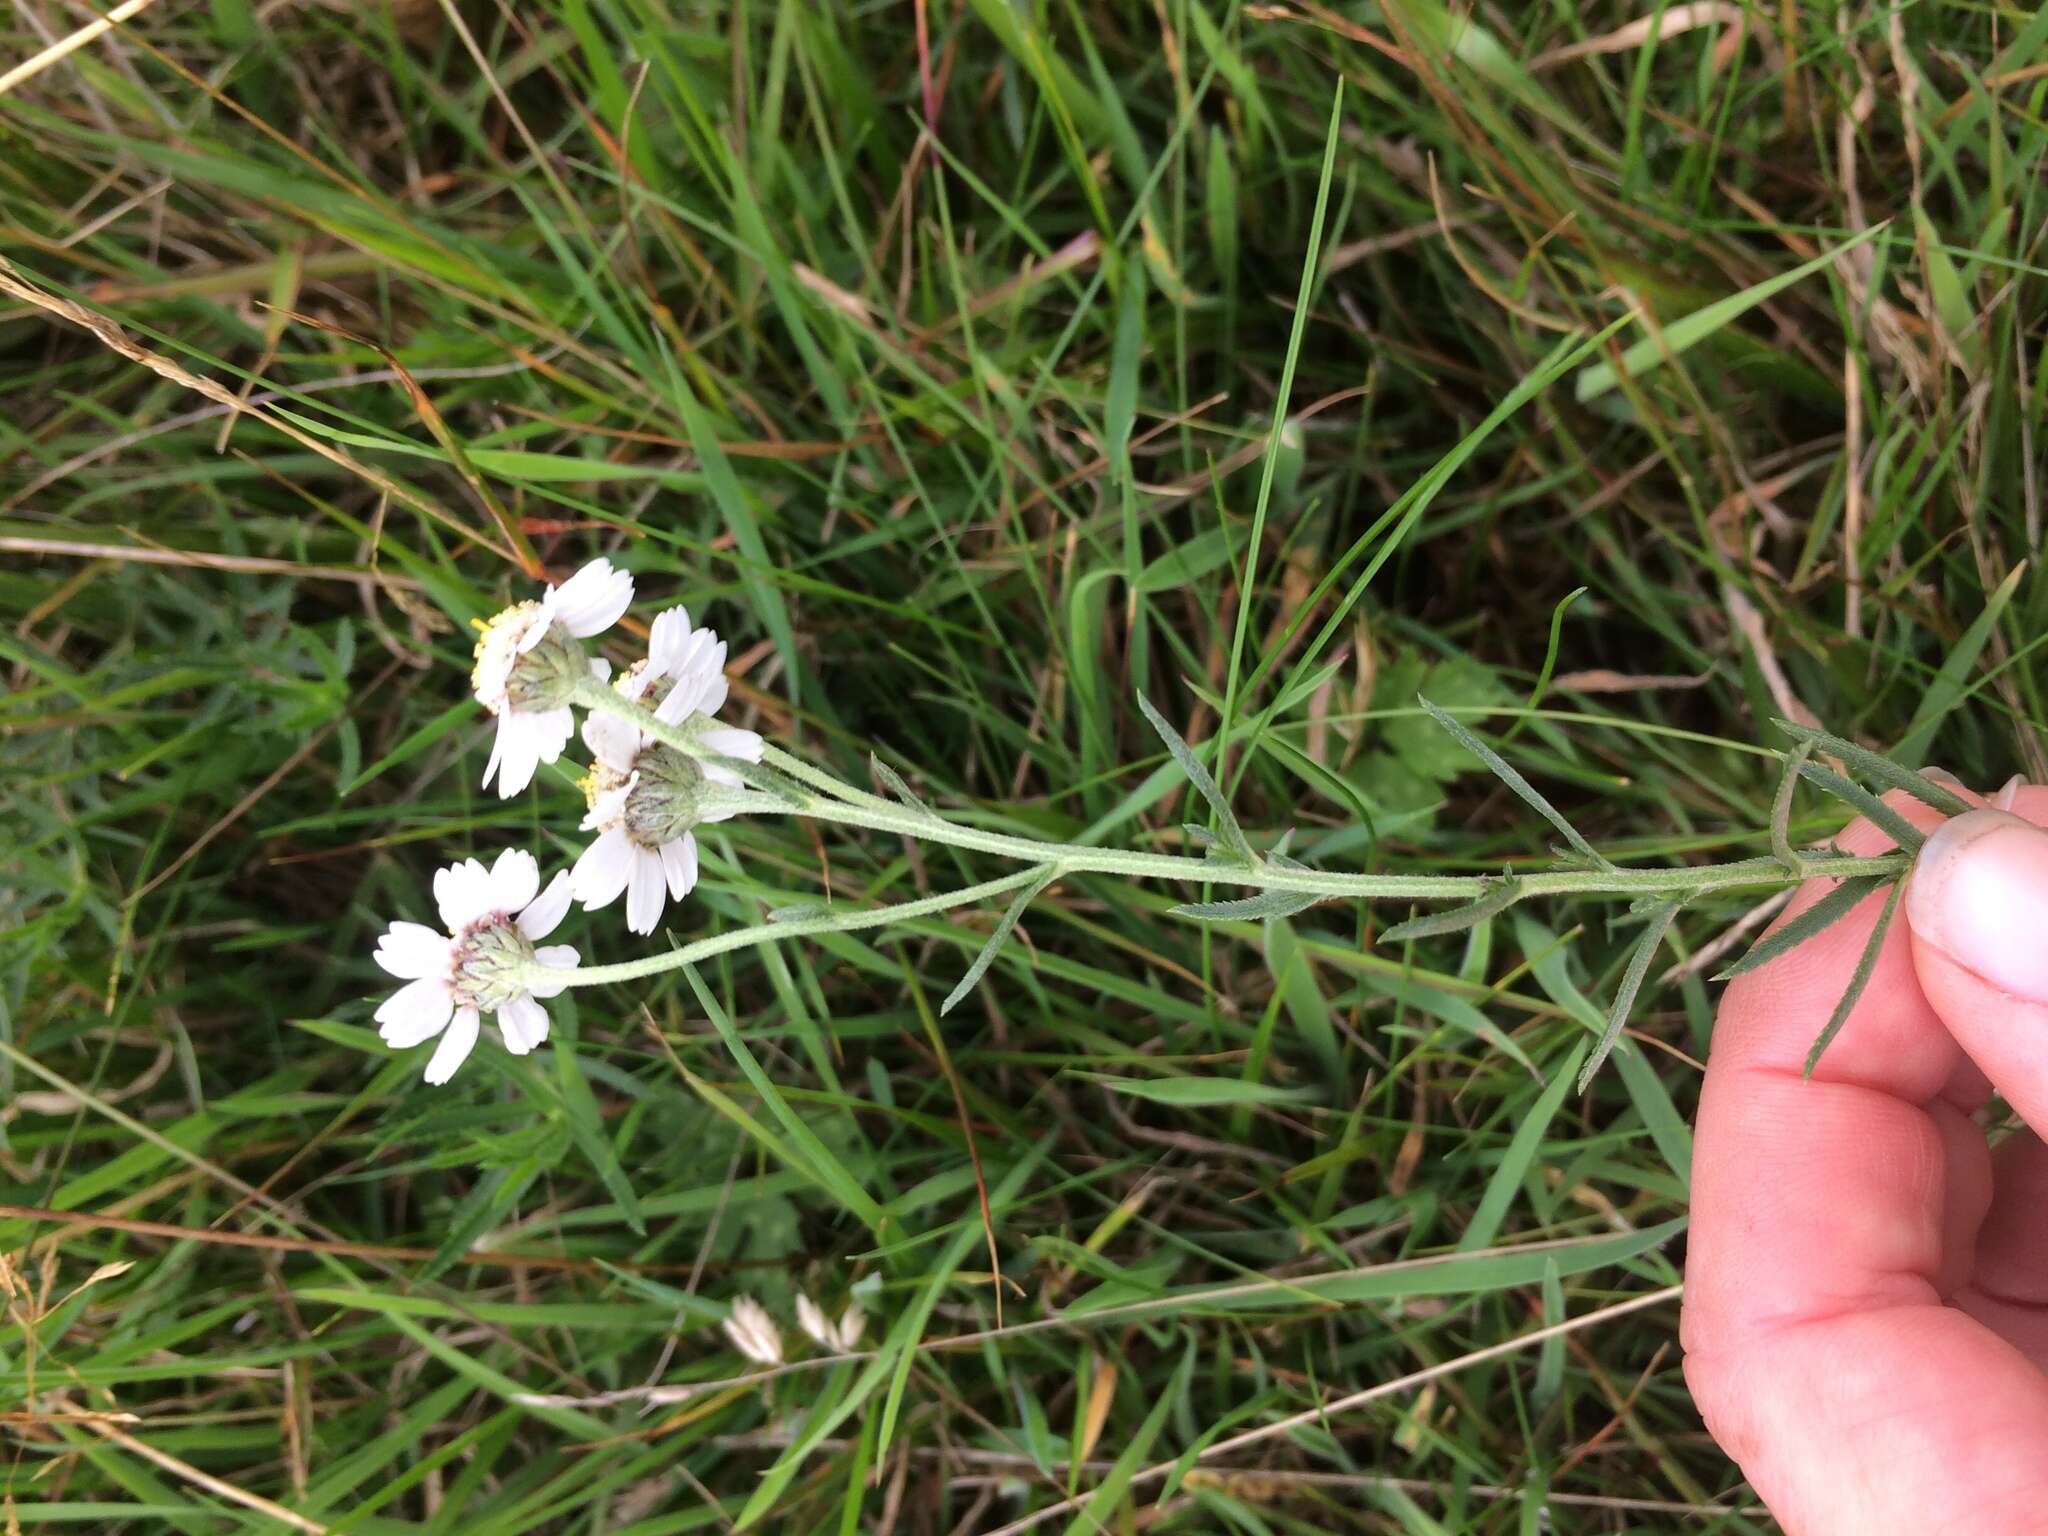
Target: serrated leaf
column 1631, row 983
column 1514, row 781
column 1434, row 924
column 1811, row 923
column 1865, row 964
column 893, row 782
column 996, row 938
column 1880, row 815
column 1875, row 765
column 1227, row 829
column 1265, row 904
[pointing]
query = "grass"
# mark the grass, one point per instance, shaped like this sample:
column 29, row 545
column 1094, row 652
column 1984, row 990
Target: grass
column 1279, row 362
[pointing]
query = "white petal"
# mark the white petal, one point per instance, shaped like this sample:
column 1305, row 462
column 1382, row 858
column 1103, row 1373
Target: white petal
column 497, row 753
column 412, row 950
column 612, row 741
column 556, row 957
column 666, row 639
column 730, row 741
column 644, row 893
column 601, row 873
column 537, row 627
column 515, row 880
column 592, row 600
column 523, row 1023
column 679, row 863
column 607, row 809
column 544, row 912
column 716, row 691
column 455, row 1046
column 415, row 1012
column 514, row 755
column 600, row 669
column 463, row 893
column 812, row 1321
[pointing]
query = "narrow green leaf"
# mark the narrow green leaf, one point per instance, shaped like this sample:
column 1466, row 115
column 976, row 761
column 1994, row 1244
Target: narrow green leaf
column 1690, row 330
column 1882, row 816
column 1631, row 983
column 1781, row 807
column 1508, row 776
column 1265, row 904
column 1947, row 690
column 893, row 782
column 1865, row 964
column 1514, row 1163
column 1200, row 1092
column 996, row 939
column 1435, row 924
column 1811, row 923
column 1226, row 824
column 1876, row 766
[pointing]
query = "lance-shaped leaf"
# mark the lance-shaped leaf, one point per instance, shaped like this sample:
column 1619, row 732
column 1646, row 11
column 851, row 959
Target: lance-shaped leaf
column 893, row 782
column 1878, row 768
column 1434, row 924
column 1631, row 983
column 1227, row 828
column 1521, row 786
column 1781, row 807
column 997, row 936
column 1265, row 904
column 1865, row 964
column 1880, row 815
column 1811, row 923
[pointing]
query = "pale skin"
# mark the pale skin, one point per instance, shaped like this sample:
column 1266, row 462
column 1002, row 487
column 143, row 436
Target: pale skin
column 1866, row 1311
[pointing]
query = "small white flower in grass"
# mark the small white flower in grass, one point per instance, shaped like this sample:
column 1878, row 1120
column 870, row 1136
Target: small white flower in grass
column 840, row 1337
column 484, row 964
column 753, row 1332
column 528, row 662
column 644, row 796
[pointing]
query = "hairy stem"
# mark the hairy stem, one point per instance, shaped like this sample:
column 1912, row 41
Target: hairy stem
column 830, row 800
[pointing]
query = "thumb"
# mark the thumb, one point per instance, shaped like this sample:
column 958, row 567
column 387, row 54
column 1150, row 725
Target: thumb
column 1977, row 905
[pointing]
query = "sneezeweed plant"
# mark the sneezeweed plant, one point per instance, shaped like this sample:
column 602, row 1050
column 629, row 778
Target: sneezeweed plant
column 663, row 764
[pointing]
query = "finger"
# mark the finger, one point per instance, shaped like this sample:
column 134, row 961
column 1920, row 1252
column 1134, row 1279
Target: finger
column 2008, row 1284
column 1977, row 908
column 1817, row 1345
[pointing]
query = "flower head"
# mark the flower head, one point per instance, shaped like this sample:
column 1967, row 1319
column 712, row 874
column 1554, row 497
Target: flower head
column 645, row 797
column 838, row 1337
column 753, row 1331
column 485, row 963
column 528, row 664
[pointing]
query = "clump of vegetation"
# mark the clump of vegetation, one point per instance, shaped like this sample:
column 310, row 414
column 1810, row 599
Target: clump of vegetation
column 1235, row 531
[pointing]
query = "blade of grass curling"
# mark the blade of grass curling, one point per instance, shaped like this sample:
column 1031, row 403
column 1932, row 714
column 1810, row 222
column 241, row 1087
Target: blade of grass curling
column 1631, row 983
column 1549, row 667
column 1814, row 921
column 1226, row 823
column 996, row 939
column 1435, row 924
column 1875, row 765
column 1865, row 964
column 1501, row 770
column 1781, row 807
column 1303, row 302
column 1883, row 817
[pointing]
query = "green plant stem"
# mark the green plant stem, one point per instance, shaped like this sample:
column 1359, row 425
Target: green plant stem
column 841, row 804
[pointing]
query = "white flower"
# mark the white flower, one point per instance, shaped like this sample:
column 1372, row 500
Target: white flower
column 525, row 682
column 483, row 964
column 839, row 1338
column 645, row 797
column 753, row 1332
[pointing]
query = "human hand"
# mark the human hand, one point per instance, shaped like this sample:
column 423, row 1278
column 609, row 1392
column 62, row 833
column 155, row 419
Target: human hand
column 1866, row 1308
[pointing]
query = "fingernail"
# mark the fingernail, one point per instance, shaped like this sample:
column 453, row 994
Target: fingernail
column 1942, row 776
column 1979, row 893
column 2005, row 797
